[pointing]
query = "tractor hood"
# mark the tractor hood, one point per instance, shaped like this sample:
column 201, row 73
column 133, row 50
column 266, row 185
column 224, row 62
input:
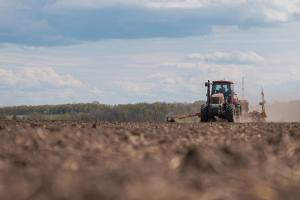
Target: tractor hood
column 217, row 98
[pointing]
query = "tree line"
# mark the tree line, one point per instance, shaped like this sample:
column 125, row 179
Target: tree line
column 141, row 112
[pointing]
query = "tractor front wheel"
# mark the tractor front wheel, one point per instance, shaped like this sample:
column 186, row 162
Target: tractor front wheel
column 204, row 113
column 230, row 113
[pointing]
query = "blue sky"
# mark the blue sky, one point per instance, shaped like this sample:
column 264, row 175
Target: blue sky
column 113, row 51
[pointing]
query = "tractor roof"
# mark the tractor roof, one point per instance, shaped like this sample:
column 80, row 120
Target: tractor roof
column 226, row 82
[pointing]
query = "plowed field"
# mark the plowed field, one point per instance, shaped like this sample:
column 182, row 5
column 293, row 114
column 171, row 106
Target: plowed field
column 78, row 161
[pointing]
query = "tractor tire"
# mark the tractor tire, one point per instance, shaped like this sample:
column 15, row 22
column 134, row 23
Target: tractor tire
column 230, row 113
column 204, row 116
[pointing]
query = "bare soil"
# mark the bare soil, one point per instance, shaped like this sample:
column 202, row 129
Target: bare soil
column 68, row 160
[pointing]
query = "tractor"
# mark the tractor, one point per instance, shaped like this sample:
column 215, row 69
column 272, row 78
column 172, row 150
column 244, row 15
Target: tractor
column 222, row 102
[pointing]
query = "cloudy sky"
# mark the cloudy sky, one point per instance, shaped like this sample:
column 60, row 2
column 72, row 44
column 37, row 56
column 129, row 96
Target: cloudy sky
column 126, row 51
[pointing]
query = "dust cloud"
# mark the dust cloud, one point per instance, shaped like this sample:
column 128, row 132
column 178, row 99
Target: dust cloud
column 282, row 111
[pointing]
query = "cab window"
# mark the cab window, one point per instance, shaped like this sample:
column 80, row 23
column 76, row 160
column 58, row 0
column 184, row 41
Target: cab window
column 221, row 88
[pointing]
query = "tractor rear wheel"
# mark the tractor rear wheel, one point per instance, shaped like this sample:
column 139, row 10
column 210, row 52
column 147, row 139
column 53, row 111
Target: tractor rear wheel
column 230, row 113
column 204, row 113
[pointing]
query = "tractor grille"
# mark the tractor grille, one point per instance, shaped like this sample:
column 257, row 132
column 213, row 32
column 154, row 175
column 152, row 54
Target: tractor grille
column 216, row 100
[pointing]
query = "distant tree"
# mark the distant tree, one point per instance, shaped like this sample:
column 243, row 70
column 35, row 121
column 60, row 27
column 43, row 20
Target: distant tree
column 141, row 112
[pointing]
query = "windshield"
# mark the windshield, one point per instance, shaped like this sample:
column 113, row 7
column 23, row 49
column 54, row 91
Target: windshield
column 221, row 88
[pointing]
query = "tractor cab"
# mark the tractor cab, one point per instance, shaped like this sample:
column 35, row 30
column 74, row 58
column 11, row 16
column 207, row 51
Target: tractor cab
column 223, row 87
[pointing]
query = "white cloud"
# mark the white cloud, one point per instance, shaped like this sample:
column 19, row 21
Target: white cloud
column 136, row 87
column 190, row 3
column 96, row 91
column 167, row 83
column 205, row 71
column 228, row 66
column 89, row 4
column 217, row 66
column 278, row 10
column 36, row 77
column 188, row 75
column 184, row 79
column 270, row 10
column 69, row 21
column 236, row 57
column 278, row 76
column 160, row 83
column 7, row 77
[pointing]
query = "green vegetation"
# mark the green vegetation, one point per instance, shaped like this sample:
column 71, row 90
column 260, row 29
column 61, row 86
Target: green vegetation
column 142, row 112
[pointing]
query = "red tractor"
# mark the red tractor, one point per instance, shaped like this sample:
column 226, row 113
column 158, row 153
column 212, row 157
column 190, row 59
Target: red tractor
column 222, row 102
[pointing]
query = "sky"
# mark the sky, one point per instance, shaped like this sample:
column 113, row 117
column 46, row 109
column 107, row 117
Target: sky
column 128, row 51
